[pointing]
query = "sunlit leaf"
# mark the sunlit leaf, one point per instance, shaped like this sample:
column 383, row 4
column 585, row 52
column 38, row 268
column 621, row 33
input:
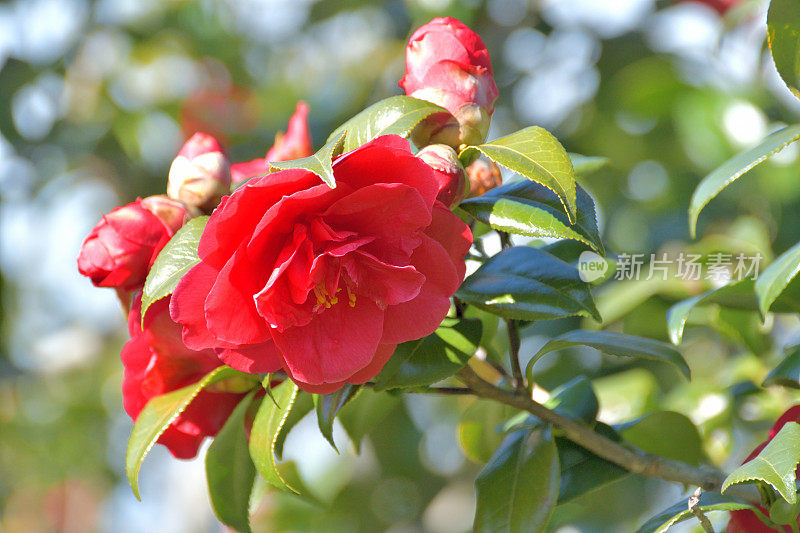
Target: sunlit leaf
column 783, row 35
column 267, row 425
column 776, row 278
column 708, row 501
column 320, row 163
column 584, row 164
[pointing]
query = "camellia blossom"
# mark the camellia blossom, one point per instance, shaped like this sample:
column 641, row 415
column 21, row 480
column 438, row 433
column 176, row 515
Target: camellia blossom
column 448, row 64
column 746, row 521
column 294, row 144
column 121, row 248
column 156, row 362
column 324, row 283
column 200, row 175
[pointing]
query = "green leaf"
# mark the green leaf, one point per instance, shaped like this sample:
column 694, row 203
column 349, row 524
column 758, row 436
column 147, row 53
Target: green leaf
column 175, row 259
column 709, row 501
column 267, row 425
column 303, row 404
column 327, row 407
column 783, row 35
column 479, row 432
column 668, row 434
column 156, row 417
column 775, row 465
column 771, row 283
column 432, row 358
column 528, row 284
column 616, row 344
column 230, row 471
column 528, row 208
column 726, row 174
column 397, row 115
column 787, row 373
column 537, row 155
column 365, row 412
column 518, row 488
column 583, row 471
column 575, row 399
column 320, row 163
column 584, row 164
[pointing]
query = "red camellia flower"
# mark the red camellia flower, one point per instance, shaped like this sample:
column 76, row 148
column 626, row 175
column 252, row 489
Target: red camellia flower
column 294, row 144
column 156, row 362
column 448, row 64
column 200, row 174
column 325, row 282
column 746, row 521
column 121, row 248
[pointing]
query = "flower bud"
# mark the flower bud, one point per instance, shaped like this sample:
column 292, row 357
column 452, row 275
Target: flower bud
column 483, row 177
column 448, row 64
column 294, row 144
column 200, row 175
column 451, row 177
column 121, row 248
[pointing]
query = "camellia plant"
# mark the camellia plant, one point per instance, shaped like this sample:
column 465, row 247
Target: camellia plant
column 260, row 291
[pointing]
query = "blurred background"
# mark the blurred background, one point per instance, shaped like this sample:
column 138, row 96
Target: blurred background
column 96, row 98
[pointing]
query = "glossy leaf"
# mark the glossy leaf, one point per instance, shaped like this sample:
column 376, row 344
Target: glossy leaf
column 619, row 344
column 267, row 425
column 320, row 163
column 175, row 259
column 432, row 358
column 518, row 487
column 584, row 164
column 528, row 208
column 775, row 465
column 726, row 174
column 583, row 471
column 783, row 35
column 668, row 434
column 537, row 155
column 708, row 501
column 327, row 406
column 776, row 277
column 528, row 284
column 575, row 399
column 787, row 373
column 396, row 115
column 230, row 471
column 365, row 412
column 156, row 417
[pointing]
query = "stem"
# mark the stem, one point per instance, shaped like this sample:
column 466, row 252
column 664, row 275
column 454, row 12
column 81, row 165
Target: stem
column 631, row 459
column 513, row 349
column 445, row 391
column 694, row 503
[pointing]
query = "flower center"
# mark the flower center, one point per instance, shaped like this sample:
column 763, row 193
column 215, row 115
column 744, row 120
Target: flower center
column 328, row 300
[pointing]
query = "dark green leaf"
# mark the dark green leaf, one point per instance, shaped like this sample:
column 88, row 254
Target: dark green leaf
column 537, row 155
column 528, row 208
column 709, row 501
column 528, row 284
column 575, row 399
column 584, row 164
column 320, row 163
column 726, row 174
column 787, row 373
column 432, row 358
column 267, row 425
column 327, row 407
column 175, row 259
column 616, row 344
column 771, row 283
column 397, row 115
column 364, row 412
column 230, row 471
column 518, row 487
column 583, row 471
column 668, row 434
column 775, row 465
column 158, row 414
column 783, row 34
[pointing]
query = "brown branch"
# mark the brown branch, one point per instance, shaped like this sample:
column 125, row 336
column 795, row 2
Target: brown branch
column 629, row 458
column 513, row 349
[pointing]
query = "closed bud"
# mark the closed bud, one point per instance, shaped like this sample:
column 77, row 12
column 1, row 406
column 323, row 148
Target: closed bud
column 200, row 175
column 450, row 175
column 483, row 177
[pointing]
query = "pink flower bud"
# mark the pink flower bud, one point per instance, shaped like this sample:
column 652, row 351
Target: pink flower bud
column 452, row 178
column 121, row 248
column 448, row 64
column 200, row 175
column 483, row 177
column 294, row 144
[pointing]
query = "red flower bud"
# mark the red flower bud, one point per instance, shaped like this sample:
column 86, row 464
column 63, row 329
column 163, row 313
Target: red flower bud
column 201, row 174
column 294, row 144
column 448, row 64
column 451, row 177
column 121, row 248
column 483, row 177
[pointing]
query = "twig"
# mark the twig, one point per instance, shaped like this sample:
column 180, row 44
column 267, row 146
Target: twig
column 629, row 458
column 694, row 507
column 513, row 348
column 445, row 391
